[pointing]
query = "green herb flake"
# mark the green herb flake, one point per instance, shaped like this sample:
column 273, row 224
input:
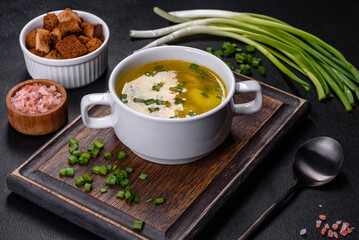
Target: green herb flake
column 219, row 96
column 149, row 101
column 179, row 100
column 204, row 94
column 193, row 66
column 138, row 100
column 176, row 89
column 153, row 109
column 261, row 70
column 192, row 114
column 157, row 87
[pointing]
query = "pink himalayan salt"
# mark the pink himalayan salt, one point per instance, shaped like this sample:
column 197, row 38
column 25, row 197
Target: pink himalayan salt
column 36, row 98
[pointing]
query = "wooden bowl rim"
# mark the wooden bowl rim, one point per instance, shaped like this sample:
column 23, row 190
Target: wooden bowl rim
column 46, row 82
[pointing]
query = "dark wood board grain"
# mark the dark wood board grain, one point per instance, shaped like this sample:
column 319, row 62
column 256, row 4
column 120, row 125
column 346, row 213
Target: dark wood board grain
column 192, row 192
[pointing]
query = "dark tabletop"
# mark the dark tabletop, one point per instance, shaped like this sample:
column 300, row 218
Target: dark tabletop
column 336, row 22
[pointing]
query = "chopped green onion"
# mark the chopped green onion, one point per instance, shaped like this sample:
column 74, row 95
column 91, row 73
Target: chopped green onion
column 107, row 155
column 90, row 147
column 149, row 101
column 204, row 94
column 218, row 54
column 103, row 190
column 219, row 96
column 128, row 196
column 159, row 102
column 84, row 158
column 157, row 87
column 250, row 48
column 103, row 170
column 149, row 200
column 137, row 225
column 98, row 144
column 73, row 148
column 120, row 194
column 87, row 177
column 123, row 98
column 261, row 70
column 178, row 100
column 80, row 181
column 209, row 49
column 143, row 176
column 62, row 172
column 193, row 66
column 96, row 169
column 136, row 199
column 109, row 167
column 73, row 141
column 176, row 89
column 95, row 152
column 129, row 170
column 202, row 73
column 153, row 109
column 76, row 153
column 158, row 68
column 159, row 201
column 72, row 159
column 125, row 182
column 229, row 48
column 111, row 179
column 70, row 172
column 88, row 187
column 114, row 167
column 218, row 89
column 121, row 155
column 138, row 100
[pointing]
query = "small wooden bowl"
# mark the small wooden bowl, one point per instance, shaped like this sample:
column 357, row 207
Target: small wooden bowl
column 38, row 123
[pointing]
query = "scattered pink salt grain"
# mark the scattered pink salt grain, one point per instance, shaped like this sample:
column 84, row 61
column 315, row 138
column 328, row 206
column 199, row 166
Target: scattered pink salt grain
column 36, row 98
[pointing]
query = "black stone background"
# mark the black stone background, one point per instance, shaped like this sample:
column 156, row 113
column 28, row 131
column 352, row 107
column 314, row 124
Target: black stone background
column 336, row 22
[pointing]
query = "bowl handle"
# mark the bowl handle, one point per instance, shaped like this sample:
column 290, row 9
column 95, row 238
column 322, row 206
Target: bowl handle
column 252, row 106
column 96, row 99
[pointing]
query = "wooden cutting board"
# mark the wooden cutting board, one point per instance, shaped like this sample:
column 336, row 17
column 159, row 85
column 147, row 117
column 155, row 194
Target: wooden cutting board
column 192, row 192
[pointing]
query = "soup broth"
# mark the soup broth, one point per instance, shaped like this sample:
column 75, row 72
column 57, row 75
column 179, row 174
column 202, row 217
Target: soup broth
column 171, row 89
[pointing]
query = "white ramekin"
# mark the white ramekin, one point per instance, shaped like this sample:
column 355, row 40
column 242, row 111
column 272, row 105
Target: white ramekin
column 70, row 73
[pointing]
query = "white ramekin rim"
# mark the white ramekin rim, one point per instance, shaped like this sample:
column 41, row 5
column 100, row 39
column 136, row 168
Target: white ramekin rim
column 31, row 25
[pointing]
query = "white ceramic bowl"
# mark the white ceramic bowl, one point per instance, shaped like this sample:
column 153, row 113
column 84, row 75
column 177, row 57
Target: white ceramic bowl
column 171, row 140
column 70, row 73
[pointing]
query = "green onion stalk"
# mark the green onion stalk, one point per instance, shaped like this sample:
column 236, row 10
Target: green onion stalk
column 283, row 44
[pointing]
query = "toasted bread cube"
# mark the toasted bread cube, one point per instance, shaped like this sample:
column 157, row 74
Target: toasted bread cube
column 50, row 21
column 43, row 40
column 92, row 30
column 93, row 44
column 55, row 36
column 38, row 53
column 53, row 54
column 30, row 39
column 71, row 47
column 67, row 15
column 83, row 39
column 69, row 27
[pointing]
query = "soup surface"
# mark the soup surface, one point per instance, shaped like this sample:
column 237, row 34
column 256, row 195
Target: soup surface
column 171, row 89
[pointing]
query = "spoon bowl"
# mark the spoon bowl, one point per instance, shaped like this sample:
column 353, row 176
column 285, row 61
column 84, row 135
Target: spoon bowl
column 318, row 161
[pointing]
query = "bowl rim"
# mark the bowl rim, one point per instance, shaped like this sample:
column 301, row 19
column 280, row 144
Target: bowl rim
column 226, row 101
column 46, row 82
column 63, row 62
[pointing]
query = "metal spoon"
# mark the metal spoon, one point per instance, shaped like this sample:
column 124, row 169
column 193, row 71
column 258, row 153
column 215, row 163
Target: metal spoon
column 316, row 163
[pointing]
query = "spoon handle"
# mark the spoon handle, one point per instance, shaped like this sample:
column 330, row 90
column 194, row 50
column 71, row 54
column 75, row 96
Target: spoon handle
column 268, row 213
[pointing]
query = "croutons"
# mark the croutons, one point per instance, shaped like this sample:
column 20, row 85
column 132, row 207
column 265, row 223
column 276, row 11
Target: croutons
column 92, row 30
column 67, row 15
column 83, row 39
column 53, row 54
column 30, row 39
column 69, row 27
column 42, row 40
column 50, row 21
column 64, row 36
column 55, row 36
column 38, row 53
column 71, row 47
column 93, row 44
